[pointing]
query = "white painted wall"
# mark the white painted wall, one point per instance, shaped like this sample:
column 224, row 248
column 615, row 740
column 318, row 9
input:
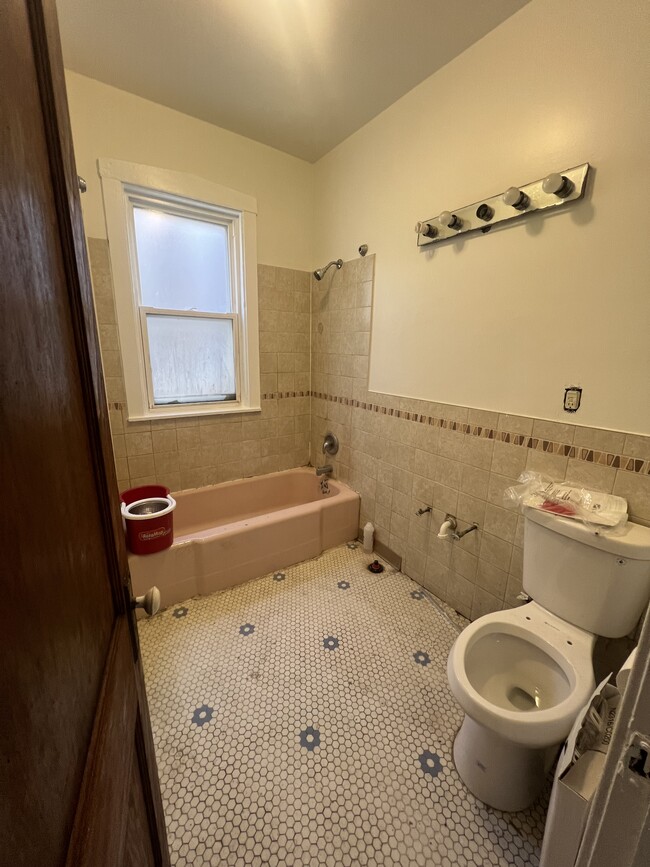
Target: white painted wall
column 107, row 122
column 505, row 321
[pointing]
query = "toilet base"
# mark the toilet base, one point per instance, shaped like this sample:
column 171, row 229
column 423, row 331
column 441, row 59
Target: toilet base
column 502, row 774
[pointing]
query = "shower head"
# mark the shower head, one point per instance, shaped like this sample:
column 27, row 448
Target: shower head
column 323, row 271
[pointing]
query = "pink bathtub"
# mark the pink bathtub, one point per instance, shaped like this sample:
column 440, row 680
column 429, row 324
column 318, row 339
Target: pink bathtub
column 228, row 533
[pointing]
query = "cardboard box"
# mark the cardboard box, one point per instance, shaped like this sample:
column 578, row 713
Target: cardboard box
column 577, row 780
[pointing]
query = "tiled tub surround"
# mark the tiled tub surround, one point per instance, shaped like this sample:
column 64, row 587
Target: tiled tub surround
column 305, row 719
column 402, row 454
column 192, row 452
column 229, row 533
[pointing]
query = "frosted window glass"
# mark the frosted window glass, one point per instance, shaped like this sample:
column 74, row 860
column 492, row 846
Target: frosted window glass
column 192, row 359
column 183, row 263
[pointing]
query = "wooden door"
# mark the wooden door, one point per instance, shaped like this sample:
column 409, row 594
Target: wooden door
column 78, row 781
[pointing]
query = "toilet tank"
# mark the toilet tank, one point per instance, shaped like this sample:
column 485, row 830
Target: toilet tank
column 600, row 583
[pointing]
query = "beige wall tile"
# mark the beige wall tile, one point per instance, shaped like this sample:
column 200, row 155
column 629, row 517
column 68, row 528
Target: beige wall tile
column 508, row 460
column 115, row 419
column 553, row 431
column 463, row 563
column 139, row 444
column 637, row 446
column 188, row 438
column 496, row 488
column 477, row 452
column 593, row 476
column 164, row 441
column 636, row 490
column 436, row 578
column 517, row 424
column 484, row 603
column 492, row 578
column 496, row 552
column 422, row 490
column 119, row 445
column 450, row 443
column 513, row 588
column 517, row 562
column 195, row 477
column 483, row 417
column 471, row 509
column 143, row 480
column 554, row 466
column 500, row 522
column 474, row 481
column 112, row 362
column 122, row 470
column 600, row 440
column 460, row 594
column 445, row 499
column 448, row 472
column 115, row 392
column 166, row 464
column 141, row 465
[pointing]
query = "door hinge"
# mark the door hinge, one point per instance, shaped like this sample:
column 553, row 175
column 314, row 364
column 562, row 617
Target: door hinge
column 638, row 756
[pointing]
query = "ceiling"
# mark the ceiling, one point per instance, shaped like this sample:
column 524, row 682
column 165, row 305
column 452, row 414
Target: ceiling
column 299, row 75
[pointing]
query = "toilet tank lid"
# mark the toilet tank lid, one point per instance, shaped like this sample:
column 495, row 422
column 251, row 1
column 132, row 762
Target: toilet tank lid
column 633, row 542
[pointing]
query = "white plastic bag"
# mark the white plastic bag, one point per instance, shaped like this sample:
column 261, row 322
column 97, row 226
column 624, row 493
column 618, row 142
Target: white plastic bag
column 601, row 512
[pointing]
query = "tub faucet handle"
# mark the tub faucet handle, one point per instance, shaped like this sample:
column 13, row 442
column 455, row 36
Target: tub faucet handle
column 330, row 444
column 150, row 602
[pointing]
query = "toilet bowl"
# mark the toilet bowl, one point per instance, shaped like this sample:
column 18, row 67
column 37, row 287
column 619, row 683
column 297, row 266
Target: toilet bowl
column 524, row 673
column 521, row 676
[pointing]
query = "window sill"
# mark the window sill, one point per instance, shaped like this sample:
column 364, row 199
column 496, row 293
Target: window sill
column 194, row 413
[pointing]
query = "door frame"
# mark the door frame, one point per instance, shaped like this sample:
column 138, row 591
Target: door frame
column 618, row 825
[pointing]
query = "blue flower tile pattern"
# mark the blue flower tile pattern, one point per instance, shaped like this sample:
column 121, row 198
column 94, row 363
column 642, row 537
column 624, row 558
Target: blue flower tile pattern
column 180, row 612
column 421, row 658
column 343, row 585
column 246, row 629
column 310, row 738
column 279, row 576
column 202, row 715
column 417, row 594
column 430, row 763
column 330, row 643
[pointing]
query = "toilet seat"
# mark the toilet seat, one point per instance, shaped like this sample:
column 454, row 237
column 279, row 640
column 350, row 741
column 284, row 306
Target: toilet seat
column 523, row 673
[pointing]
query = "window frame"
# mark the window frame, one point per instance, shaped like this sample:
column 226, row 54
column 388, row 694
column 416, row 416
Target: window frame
column 128, row 185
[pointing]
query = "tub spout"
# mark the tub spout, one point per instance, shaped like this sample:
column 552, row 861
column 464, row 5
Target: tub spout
column 327, row 470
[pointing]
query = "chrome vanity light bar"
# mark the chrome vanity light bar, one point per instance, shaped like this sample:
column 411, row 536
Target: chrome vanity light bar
column 552, row 191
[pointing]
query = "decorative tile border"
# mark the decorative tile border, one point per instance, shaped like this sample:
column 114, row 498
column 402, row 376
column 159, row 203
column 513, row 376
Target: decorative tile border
column 591, row 456
column 619, row 462
column 280, row 395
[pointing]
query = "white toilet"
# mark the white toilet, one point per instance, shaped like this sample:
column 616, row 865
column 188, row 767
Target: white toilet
column 523, row 674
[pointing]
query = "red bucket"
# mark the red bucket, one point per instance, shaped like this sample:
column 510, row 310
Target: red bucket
column 148, row 513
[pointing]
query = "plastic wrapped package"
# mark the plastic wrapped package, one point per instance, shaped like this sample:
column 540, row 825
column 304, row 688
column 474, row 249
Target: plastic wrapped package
column 599, row 511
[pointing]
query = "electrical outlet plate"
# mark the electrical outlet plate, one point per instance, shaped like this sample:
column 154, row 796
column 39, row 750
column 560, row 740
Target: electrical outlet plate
column 572, row 398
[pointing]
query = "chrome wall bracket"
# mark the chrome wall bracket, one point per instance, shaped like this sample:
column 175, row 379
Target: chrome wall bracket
column 553, row 191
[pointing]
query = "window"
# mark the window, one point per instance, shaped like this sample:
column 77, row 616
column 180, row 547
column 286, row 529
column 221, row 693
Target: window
column 184, row 272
